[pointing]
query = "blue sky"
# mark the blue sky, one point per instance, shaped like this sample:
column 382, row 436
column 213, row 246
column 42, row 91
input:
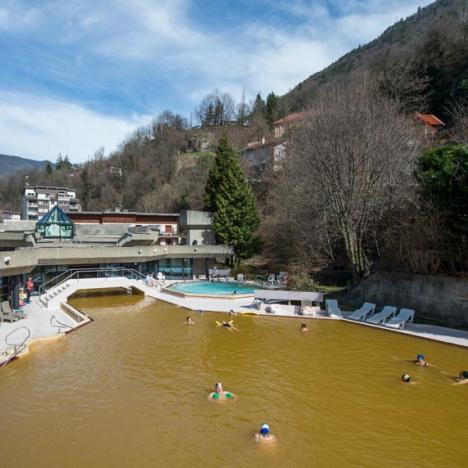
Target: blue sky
column 80, row 74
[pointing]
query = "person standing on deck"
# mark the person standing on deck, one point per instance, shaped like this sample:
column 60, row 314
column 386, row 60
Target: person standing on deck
column 29, row 289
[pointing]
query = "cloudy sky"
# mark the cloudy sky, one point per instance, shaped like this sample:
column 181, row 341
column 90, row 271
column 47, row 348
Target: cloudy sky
column 76, row 75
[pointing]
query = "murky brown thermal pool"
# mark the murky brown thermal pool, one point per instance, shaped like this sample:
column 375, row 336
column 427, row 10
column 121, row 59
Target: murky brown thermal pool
column 130, row 390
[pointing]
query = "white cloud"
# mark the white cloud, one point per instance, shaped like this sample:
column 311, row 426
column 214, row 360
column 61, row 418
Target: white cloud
column 40, row 128
column 256, row 56
column 139, row 39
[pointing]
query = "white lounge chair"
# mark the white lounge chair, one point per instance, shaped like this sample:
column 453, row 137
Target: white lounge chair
column 386, row 313
column 333, row 308
column 360, row 314
column 405, row 315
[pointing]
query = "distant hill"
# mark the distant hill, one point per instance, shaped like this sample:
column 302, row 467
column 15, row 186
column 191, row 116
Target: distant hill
column 11, row 164
column 430, row 46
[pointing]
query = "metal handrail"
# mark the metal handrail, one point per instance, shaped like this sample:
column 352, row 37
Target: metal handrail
column 60, row 324
column 75, row 273
column 17, row 348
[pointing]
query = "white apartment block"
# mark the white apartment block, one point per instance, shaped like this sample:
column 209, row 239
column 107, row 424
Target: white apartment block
column 37, row 201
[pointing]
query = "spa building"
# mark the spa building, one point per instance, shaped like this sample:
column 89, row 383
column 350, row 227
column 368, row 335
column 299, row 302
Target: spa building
column 180, row 245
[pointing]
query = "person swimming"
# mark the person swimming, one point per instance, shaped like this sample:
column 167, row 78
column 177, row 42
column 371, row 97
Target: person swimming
column 421, row 360
column 188, row 321
column 304, row 328
column 264, row 436
column 406, row 378
column 227, row 324
column 463, row 376
column 220, row 394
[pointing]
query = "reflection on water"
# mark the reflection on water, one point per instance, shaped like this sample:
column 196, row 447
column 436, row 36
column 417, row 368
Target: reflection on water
column 130, row 390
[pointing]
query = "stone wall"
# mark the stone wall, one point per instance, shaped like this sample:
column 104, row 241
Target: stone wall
column 440, row 298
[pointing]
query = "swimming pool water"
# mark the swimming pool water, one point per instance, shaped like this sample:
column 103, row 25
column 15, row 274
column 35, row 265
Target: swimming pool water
column 131, row 390
column 213, row 287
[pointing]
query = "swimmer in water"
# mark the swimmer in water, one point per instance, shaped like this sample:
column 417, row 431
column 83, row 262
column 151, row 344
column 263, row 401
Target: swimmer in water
column 188, row 321
column 406, row 378
column 229, row 325
column 304, row 328
column 421, row 361
column 219, row 394
column 462, row 378
column 264, row 436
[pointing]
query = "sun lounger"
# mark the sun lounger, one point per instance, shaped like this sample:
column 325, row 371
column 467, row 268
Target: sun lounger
column 405, row 315
column 333, row 308
column 310, row 311
column 360, row 314
column 386, row 313
column 7, row 315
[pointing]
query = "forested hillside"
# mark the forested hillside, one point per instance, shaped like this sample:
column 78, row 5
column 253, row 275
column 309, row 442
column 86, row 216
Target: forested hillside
column 161, row 167
column 423, row 61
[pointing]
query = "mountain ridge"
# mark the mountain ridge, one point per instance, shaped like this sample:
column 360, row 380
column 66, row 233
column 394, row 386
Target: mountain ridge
column 11, row 164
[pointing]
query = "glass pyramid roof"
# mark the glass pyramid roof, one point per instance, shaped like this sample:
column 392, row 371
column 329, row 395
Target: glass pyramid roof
column 55, row 224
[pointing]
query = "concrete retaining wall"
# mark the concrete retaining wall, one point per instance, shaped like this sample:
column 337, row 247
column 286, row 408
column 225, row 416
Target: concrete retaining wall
column 439, row 298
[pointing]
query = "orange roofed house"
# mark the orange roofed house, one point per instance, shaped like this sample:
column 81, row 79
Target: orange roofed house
column 431, row 123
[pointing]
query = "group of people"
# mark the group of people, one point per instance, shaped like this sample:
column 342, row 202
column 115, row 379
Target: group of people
column 25, row 292
column 151, row 281
column 263, row 436
column 421, row 362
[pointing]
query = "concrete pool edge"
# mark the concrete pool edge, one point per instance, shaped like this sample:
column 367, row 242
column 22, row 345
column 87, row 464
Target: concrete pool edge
column 185, row 294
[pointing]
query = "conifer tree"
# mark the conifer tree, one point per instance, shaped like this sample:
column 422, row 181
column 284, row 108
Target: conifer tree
column 259, row 107
column 229, row 196
column 271, row 108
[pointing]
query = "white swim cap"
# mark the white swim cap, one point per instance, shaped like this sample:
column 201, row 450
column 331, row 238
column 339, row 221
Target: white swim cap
column 265, row 426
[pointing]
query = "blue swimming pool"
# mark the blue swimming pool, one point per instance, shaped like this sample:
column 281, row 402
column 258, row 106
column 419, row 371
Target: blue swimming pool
column 216, row 288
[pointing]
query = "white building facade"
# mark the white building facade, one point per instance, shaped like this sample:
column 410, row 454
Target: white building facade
column 39, row 200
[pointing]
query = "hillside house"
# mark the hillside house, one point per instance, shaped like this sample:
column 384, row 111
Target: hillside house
column 270, row 152
column 432, row 124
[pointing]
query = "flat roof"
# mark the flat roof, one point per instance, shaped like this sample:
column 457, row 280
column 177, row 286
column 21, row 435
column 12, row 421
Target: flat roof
column 134, row 213
column 279, row 295
column 48, row 187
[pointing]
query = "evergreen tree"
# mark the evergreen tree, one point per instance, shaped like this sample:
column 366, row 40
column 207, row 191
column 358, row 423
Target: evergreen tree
column 271, row 108
column 59, row 162
column 229, row 196
column 49, row 169
column 258, row 110
column 443, row 176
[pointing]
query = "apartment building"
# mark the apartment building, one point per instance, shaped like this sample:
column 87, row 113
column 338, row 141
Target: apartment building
column 39, row 200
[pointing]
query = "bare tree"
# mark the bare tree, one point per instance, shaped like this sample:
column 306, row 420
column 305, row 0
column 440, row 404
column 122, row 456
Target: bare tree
column 351, row 162
column 459, row 114
column 216, row 109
